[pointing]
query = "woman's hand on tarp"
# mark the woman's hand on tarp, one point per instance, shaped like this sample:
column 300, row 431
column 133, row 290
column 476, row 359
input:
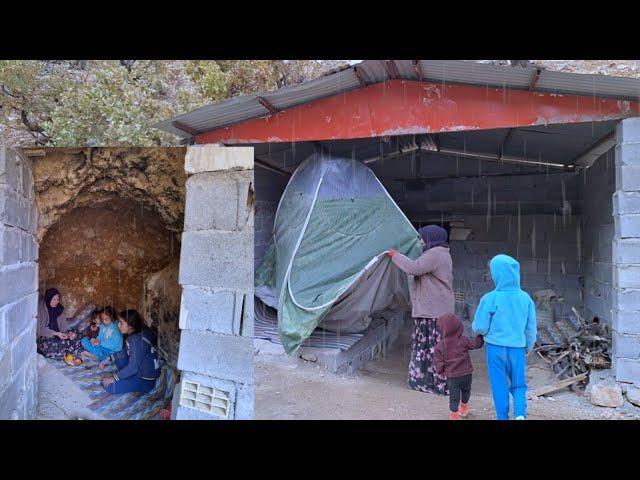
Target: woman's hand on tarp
column 391, row 253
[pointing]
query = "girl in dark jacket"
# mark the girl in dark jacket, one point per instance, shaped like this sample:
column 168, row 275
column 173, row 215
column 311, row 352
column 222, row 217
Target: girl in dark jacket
column 137, row 367
column 452, row 360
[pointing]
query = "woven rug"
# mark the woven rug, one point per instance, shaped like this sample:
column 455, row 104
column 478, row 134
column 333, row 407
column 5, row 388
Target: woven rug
column 124, row 406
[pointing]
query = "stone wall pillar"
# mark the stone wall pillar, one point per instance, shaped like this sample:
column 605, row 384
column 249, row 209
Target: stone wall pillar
column 216, row 275
column 18, row 287
column 626, row 254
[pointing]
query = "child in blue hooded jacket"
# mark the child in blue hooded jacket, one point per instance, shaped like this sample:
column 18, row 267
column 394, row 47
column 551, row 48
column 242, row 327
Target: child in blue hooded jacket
column 506, row 318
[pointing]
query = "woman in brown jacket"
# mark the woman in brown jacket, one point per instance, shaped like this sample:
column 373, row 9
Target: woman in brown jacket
column 431, row 297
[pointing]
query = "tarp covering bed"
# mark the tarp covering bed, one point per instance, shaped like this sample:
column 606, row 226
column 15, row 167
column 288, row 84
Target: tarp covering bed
column 327, row 265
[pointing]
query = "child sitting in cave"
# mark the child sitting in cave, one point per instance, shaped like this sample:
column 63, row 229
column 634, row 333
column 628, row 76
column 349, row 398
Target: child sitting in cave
column 109, row 339
column 92, row 330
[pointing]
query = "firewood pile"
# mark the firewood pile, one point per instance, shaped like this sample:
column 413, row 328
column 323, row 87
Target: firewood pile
column 589, row 347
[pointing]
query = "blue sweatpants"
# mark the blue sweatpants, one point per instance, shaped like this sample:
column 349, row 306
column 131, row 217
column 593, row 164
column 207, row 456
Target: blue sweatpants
column 131, row 384
column 98, row 351
column 507, row 366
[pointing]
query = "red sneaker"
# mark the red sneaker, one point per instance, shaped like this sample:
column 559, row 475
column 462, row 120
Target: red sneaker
column 464, row 409
column 453, row 415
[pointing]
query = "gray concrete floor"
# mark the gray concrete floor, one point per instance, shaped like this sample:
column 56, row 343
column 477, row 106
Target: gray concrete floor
column 58, row 397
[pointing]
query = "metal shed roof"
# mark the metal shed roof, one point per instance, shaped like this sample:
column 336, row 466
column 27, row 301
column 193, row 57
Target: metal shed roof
column 240, row 109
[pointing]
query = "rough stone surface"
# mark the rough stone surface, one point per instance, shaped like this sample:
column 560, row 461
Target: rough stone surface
column 162, row 309
column 213, row 158
column 69, row 178
column 604, row 395
column 108, row 264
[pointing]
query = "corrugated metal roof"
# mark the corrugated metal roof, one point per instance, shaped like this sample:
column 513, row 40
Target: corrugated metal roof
column 239, row 109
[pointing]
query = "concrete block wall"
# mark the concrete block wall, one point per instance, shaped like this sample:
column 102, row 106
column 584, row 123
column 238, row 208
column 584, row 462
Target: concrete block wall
column 216, row 275
column 18, row 287
column 546, row 249
column 269, row 189
column 626, row 253
column 597, row 232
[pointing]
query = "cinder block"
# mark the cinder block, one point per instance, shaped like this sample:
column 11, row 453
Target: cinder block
column 628, row 130
column 626, row 276
column 8, row 206
column 21, row 314
column 626, row 202
column 221, row 356
column 212, row 202
column 627, row 226
column 8, row 168
column 10, row 245
column 217, row 259
column 626, row 346
column 627, row 370
column 626, row 322
column 9, row 282
column 22, row 349
column 628, row 153
column 628, row 178
column 27, row 279
column 626, row 299
column 29, row 248
column 213, row 158
column 626, row 251
column 205, row 309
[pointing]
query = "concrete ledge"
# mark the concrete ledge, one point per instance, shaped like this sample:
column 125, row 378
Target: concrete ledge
column 628, row 153
column 214, row 158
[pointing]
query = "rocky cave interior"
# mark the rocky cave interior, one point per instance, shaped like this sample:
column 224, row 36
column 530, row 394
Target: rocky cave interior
column 109, row 225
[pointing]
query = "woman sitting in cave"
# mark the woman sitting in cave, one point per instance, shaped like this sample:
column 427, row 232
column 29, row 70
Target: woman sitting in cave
column 56, row 335
column 137, row 367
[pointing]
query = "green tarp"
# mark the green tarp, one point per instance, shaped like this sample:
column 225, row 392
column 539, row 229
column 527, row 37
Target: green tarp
column 334, row 223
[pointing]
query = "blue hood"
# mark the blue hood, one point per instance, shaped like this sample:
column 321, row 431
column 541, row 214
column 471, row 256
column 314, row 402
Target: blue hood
column 505, row 272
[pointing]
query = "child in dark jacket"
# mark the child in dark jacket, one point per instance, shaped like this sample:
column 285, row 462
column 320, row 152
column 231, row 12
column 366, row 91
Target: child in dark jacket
column 137, row 367
column 452, row 359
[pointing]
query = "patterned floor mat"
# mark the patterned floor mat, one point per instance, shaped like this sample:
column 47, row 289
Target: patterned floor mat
column 126, row 406
column 265, row 326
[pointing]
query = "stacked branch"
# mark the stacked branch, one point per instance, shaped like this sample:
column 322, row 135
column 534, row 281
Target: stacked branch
column 573, row 358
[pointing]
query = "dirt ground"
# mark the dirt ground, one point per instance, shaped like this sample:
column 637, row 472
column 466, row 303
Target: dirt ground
column 293, row 389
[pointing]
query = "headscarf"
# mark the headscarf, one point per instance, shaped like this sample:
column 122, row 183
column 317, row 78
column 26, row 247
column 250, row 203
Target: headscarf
column 53, row 312
column 433, row 236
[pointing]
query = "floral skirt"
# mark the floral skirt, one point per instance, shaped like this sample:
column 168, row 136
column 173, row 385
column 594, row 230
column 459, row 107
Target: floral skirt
column 56, row 348
column 422, row 375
